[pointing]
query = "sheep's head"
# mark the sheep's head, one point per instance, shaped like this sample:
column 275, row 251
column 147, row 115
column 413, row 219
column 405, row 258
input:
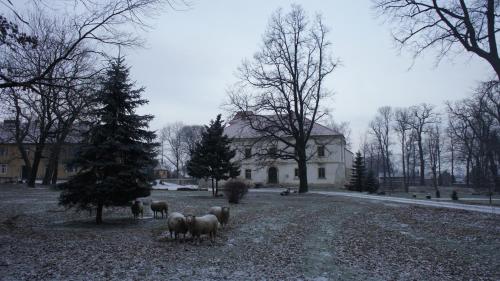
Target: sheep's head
column 225, row 210
column 190, row 219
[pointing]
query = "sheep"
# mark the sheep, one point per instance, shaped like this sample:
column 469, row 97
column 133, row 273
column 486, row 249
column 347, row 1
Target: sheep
column 207, row 224
column 176, row 223
column 137, row 208
column 222, row 214
column 159, row 206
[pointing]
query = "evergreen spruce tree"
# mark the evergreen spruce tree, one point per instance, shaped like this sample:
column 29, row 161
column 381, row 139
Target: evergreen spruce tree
column 371, row 184
column 357, row 176
column 212, row 156
column 118, row 154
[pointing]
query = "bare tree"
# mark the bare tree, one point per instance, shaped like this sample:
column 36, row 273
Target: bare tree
column 175, row 152
column 477, row 130
column 380, row 128
column 433, row 144
column 286, row 80
column 423, row 115
column 48, row 101
column 445, row 25
column 190, row 136
column 100, row 23
column 402, row 126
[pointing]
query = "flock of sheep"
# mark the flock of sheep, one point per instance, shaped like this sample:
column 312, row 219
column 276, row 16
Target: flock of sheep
column 181, row 224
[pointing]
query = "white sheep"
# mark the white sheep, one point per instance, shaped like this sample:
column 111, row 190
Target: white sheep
column 207, row 224
column 176, row 223
column 222, row 214
column 159, row 206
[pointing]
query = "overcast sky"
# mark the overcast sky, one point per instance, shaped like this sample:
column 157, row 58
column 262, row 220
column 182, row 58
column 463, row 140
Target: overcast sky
column 191, row 58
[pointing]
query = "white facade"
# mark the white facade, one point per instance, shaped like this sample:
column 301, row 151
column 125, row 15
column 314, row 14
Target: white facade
column 329, row 164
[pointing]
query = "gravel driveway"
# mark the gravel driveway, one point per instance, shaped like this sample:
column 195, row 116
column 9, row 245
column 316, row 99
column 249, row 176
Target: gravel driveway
column 269, row 237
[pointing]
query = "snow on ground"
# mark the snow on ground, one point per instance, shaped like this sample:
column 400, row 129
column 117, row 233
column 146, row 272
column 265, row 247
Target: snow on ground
column 172, row 186
column 439, row 204
column 269, row 237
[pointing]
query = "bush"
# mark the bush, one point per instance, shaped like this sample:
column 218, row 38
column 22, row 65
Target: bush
column 454, row 195
column 235, row 190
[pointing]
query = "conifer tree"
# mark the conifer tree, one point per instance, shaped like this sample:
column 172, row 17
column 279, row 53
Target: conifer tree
column 358, row 171
column 118, row 154
column 211, row 158
column 371, row 184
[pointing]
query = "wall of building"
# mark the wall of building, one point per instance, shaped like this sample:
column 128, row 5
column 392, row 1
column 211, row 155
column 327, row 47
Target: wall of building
column 11, row 157
column 334, row 164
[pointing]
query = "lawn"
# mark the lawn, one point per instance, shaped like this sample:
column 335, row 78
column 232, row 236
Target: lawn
column 311, row 237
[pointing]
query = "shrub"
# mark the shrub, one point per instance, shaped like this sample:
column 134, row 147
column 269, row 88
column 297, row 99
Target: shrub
column 454, row 195
column 235, row 190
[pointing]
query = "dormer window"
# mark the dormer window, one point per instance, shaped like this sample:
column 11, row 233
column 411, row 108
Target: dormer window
column 321, row 151
column 273, row 152
column 248, row 152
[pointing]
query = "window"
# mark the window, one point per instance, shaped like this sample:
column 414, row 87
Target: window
column 321, row 151
column 296, row 172
column 248, row 174
column 3, row 169
column 248, row 152
column 3, row 151
column 273, row 152
column 321, row 173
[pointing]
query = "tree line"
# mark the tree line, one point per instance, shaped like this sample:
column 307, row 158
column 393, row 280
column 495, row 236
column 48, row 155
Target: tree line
column 420, row 141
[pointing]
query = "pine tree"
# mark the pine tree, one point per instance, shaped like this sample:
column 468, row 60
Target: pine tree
column 371, row 184
column 211, row 158
column 118, row 154
column 358, row 171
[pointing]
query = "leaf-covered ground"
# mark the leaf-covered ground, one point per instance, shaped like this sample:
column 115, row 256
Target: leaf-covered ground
column 269, row 237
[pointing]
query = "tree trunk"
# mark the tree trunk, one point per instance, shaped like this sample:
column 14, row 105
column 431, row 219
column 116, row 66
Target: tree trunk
column 405, row 186
column 216, row 187
column 34, row 168
column 467, row 172
column 98, row 215
column 302, row 163
column 48, row 174
column 55, row 173
column 452, row 164
column 49, row 171
column 52, row 164
column 303, row 187
column 440, row 178
column 213, row 188
column 422, row 163
column 26, row 158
